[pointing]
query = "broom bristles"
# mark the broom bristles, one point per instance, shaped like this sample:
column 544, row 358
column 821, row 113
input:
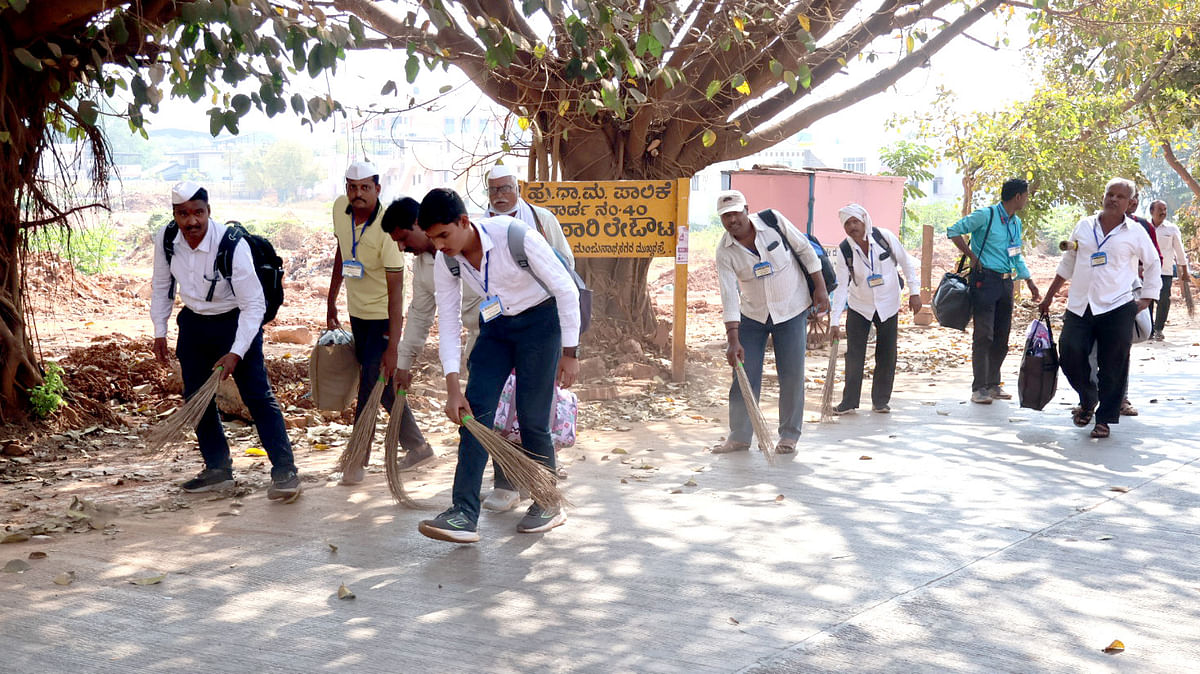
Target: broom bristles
column 364, row 430
column 525, row 473
column 827, row 388
column 185, row 418
column 391, row 444
column 1187, row 294
column 757, row 420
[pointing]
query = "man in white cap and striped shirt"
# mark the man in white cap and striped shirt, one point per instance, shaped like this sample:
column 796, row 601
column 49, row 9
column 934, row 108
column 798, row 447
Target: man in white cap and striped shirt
column 372, row 267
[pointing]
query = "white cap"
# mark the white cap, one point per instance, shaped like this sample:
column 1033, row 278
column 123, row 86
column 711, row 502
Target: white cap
column 361, row 170
column 184, row 191
column 500, row 171
column 730, row 201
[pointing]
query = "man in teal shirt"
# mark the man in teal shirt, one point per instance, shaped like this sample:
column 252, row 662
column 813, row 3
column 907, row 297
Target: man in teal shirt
column 995, row 255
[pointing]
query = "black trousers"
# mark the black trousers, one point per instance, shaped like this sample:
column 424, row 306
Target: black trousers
column 991, row 310
column 857, row 329
column 1164, row 304
column 1112, row 334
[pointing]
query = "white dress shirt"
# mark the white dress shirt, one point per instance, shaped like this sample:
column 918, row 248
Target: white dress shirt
column 193, row 272
column 1109, row 286
column 516, row 287
column 1170, row 242
column 783, row 294
column 883, row 299
column 546, row 224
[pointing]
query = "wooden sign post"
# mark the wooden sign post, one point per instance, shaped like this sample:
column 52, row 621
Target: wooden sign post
column 626, row 218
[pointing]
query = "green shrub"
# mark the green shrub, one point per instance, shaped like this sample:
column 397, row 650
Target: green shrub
column 90, row 249
column 44, row 400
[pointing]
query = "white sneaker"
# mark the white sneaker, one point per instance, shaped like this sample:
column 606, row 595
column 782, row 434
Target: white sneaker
column 501, row 500
column 353, row 476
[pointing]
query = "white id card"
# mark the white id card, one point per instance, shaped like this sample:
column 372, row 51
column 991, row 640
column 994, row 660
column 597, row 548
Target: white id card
column 1099, row 259
column 490, row 308
column 874, row 280
column 762, row 270
column 353, row 269
column 1014, row 251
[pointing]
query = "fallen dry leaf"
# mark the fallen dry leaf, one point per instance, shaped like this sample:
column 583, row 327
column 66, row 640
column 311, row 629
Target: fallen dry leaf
column 1120, row 489
column 619, row 450
column 37, row 554
column 1117, row 646
column 1105, row 538
column 677, row 491
column 320, row 446
column 255, row 451
column 332, row 547
column 344, row 592
column 944, row 413
column 17, row 566
column 149, row 580
column 65, row 578
column 624, row 481
column 779, row 499
column 864, row 457
column 690, row 483
column 733, row 621
column 19, row 537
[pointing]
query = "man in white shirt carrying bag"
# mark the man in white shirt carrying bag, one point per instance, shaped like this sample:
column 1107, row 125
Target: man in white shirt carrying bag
column 524, row 326
column 1174, row 262
column 220, row 325
column 1102, row 267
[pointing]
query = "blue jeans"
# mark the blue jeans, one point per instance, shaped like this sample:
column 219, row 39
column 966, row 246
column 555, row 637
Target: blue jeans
column 203, row 340
column 370, row 341
column 530, row 343
column 790, row 338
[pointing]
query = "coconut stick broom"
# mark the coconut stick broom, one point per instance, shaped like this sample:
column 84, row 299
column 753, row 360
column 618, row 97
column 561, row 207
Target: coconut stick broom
column 830, row 375
column 391, row 444
column 174, row 427
column 364, row 430
column 525, row 473
column 761, row 430
column 1187, row 294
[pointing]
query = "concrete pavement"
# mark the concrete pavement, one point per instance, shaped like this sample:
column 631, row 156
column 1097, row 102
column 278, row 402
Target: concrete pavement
column 973, row 538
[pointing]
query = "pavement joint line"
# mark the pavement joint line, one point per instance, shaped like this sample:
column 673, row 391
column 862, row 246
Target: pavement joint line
column 873, row 608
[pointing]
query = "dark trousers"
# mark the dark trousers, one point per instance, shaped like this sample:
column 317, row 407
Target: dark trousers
column 1112, row 335
column 991, row 310
column 857, row 329
column 1164, row 304
column 789, row 339
column 530, row 343
column 203, row 340
column 370, row 341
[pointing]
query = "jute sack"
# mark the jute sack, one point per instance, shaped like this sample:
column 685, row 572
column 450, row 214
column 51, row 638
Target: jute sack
column 333, row 374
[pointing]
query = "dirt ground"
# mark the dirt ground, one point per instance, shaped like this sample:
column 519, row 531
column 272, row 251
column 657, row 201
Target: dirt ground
column 76, row 471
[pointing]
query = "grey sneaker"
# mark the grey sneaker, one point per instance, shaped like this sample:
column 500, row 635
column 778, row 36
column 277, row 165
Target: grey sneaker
column 501, row 500
column 982, row 397
column 998, row 393
column 452, row 526
column 417, row 457
column 285, row 487
column 538, row 520
column 209, row 479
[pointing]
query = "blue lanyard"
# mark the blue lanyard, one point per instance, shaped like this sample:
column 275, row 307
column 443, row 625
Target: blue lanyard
column 354, row 236
column 487, row 268
column 869, row 260
column 1099, row 243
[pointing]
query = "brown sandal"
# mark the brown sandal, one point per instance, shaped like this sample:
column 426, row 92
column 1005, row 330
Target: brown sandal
column 1100, row 431
column 1080, row 416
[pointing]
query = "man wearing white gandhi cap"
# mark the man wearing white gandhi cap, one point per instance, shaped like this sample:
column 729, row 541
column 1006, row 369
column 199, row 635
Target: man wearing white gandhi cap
column 220, row 325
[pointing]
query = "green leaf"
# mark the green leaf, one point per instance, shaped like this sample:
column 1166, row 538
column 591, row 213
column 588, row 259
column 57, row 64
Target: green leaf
column 662, row 33
column 708, row 138
column 28, row 60
column 712, row 89
column 216, row 121
column 389, row 88
column 804, row 75
column 539, row 51
column 411, row 68
column 790, row 78
column 776, row 68
column 231, row 121
column 446, row 89
column 241, row 104
column 5, row 137
column 357, row 29
column 18, row 5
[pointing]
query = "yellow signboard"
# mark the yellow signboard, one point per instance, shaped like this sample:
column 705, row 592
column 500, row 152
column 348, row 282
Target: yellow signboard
column 615, row 218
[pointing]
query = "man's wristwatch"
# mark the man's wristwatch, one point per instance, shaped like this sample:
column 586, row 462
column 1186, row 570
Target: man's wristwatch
column 571, row 351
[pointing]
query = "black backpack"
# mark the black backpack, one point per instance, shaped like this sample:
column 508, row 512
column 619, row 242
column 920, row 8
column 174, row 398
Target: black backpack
column 268, row 266
column 768, row 216
column 887, row 252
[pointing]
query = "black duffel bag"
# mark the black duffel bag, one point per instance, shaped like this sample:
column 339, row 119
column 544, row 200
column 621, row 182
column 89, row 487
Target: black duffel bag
column 952, row 299
column 1038, row 378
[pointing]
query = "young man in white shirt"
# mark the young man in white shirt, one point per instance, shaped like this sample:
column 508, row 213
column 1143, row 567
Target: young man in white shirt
column 1102, row 268
column 220, row 325
column 764, row 293
column 1174, row 262
column 523, row 327
column 870, row 284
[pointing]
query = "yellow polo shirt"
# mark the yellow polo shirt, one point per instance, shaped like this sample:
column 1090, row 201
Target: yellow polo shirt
column 367, row 297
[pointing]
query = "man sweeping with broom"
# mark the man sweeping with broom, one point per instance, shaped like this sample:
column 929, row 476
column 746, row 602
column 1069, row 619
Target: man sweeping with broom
column 220, row 326
column 764, row 293
column 523, row 326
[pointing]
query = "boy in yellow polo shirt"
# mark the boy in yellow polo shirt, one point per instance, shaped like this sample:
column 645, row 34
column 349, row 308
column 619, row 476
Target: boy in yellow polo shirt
column 372, row 267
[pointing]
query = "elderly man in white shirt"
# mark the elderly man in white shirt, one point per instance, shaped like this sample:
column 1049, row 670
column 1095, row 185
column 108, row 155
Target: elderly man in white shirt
column 1174, row 262
column 220, row 326
column 524, row 326
column 762, row 272
column 504, row 198
column 1102, row 267
column 868, row 264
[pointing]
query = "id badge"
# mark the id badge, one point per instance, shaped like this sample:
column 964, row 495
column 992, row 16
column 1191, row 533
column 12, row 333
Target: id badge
column 1014, row 251
column 874, row 280
column 490, row 308
column 762, row 270
column 353, row 269
column 1099, row 259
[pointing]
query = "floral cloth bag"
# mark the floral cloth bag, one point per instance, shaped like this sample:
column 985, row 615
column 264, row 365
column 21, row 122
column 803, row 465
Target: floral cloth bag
column 562, row 416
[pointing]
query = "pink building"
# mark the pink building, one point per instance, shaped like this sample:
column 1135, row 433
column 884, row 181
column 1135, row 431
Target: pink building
column 810, row 198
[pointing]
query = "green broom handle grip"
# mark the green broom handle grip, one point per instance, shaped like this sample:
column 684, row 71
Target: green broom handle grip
column 467, row 416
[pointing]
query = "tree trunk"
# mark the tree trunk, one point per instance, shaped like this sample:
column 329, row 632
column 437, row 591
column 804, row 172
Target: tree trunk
column 1173, row 162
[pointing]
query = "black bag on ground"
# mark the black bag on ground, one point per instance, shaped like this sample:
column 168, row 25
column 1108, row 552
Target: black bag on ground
column 1038, row 379
column 952, row 300
column 827, row 273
